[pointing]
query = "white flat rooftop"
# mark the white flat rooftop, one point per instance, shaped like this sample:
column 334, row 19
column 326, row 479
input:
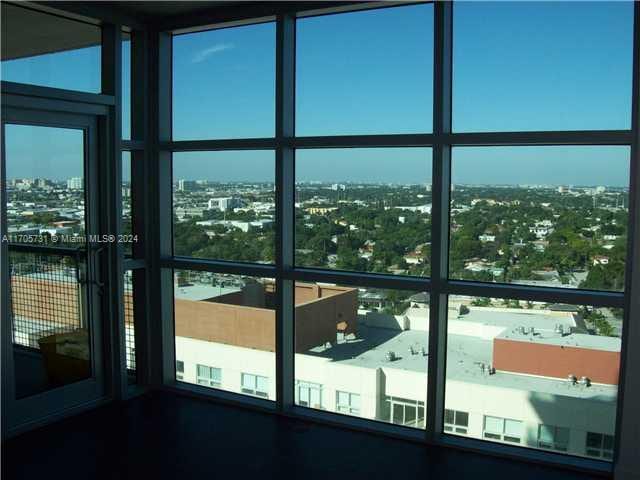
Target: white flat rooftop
column 512, row 318
column 200, row 292
column 465, row 355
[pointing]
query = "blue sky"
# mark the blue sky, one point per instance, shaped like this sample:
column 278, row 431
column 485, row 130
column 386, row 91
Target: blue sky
column 517, row 66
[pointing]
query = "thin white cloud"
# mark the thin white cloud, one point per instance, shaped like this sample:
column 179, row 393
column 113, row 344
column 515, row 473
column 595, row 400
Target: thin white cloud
column 205, row 53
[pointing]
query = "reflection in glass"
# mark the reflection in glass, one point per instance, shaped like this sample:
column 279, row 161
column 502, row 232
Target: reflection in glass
column 225, row 332
column 224, row 205
column 364, row 209
column 545, row 216
column 51, row 343
column 533, row 374
column 49, row 50
column 368, row 72
column 129, row 325
column 521, row 66
column 362, row 352
column 126, row 85
column 127, row 212
column 48, row 297
column 224, row 83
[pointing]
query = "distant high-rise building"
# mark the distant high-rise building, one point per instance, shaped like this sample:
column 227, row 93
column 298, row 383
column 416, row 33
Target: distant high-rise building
column 186, row 185
column 75, row 183
column 42, row 182
column 224, row 203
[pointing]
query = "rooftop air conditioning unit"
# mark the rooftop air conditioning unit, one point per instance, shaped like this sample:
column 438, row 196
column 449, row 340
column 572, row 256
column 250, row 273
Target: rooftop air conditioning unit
column 586, row 381
column 390, row 356
column 572, row 379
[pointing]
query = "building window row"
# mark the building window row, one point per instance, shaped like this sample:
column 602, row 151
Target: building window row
column 209, row 376
column 456, row 421
column 502, row 429
column 348, row 403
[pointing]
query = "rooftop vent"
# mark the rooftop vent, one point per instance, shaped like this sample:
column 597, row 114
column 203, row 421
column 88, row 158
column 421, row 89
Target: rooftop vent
column 390, row 356
column 558, row 329
column 585, row 381
column 572, row 379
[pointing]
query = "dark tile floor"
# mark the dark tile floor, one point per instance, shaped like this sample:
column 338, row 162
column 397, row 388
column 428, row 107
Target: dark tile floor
column 167, row 436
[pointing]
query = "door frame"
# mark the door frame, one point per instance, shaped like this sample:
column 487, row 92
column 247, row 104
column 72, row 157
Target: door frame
column 42, row 408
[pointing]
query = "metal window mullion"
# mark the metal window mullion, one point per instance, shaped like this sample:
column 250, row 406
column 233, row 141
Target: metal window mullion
column 441, row 176
column 359, row 279
column 159, row 228
column 627, row 435
column 110, row 201
column 140, row 158
column 285, row 197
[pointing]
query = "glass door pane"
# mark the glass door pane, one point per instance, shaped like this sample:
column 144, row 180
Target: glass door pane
column 47, row 257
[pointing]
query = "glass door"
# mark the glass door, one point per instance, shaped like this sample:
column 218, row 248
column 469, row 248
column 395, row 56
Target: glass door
column 51, row 275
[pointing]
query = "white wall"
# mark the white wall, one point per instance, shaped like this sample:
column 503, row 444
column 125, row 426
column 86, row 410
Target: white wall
column 374, row 384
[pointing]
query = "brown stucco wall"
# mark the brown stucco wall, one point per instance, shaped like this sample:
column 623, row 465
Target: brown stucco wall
column 45, row 300
column 556, row 361
column 231, row 324
column 316, row 319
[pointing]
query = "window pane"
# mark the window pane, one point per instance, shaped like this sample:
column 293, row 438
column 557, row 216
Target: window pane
column 45, row 184
column 262, row 384
column 227, row 321
column 545, row 216
column 462, row 419
column 546, row 434
column 365, row 72
column 493, row 424
column 513, row 428
column 449, row 416
column 364, row 209
column 594, row 440
column 224, row 205
column 349, row 348
column 49, row 50
column 542, row 66
column 127, row 221
column 129, row 323
column 224, row 83
column 126, row 85
column 536, row 370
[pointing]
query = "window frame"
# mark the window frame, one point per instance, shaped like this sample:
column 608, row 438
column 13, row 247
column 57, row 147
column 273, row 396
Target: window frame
column 602, row 452
column 455, row 427
column 151, row 142
column 208, row 381
column 502, row 436
column 554, row 444
column 439, row 285
column 255, row 392
column 347, row 408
